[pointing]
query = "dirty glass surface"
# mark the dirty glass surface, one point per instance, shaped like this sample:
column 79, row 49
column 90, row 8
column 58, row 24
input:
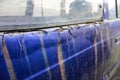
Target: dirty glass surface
column 118, row 8
column 112, row 9
column 45, row 12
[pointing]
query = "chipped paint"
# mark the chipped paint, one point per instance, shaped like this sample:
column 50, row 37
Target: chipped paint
column 45, row 56
column 60, row 59
column 8, row 60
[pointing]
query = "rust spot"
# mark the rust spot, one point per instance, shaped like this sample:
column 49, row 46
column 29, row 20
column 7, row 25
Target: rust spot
column 45, row 56
column 60, row 59
column 8, row 60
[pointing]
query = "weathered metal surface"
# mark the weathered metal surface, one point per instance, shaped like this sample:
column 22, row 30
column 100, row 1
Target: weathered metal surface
column 77, row 52
column 81, row 51
column 8, row 60
column 58, row 54
column 45, row 56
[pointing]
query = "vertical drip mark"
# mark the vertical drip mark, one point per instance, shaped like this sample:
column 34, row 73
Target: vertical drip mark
column 102, row 42
column 107, row 34
column 8, row 60
column 71, row 64
column 26, row 57
column 84, row 31
column 20, row 48
column 101, row 38
column 95, row 47
column 45, row 56
column 67, row 44
column 60, row 59
column 108, row 42
column 74, row 46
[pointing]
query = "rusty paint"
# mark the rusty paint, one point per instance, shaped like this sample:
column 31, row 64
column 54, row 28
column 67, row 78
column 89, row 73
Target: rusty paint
column 45, row 56
column 26, row 57
column 8, row 60
column 60, row 59
column 95, row 49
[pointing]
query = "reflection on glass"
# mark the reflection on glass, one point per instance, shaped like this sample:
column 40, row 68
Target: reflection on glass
column 46, row 11
column 80, row 8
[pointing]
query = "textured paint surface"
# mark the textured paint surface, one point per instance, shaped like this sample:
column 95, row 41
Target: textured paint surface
column 58, row 54
column 77, row 52
column 8, row 61
column 45, row 56
column 60, row 60
column 80, row 52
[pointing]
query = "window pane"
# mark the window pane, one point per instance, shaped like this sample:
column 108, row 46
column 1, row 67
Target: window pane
column 48, row 12
column 12, row 7
column 118, row 8
column 112, row 9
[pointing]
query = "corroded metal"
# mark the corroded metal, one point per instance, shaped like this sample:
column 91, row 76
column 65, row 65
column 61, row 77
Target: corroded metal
column 91, row 51
column 8, row 61
column 60, row 59
column 45, row 55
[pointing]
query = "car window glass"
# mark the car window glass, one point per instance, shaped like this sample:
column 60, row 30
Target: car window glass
column 118, row 3
column 46, row 12
column 112, row 9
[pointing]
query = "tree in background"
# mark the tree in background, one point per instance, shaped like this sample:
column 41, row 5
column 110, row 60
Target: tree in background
column 29, row 8
column 62, row 7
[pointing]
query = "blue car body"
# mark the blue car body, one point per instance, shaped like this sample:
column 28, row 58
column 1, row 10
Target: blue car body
column 81, row 52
